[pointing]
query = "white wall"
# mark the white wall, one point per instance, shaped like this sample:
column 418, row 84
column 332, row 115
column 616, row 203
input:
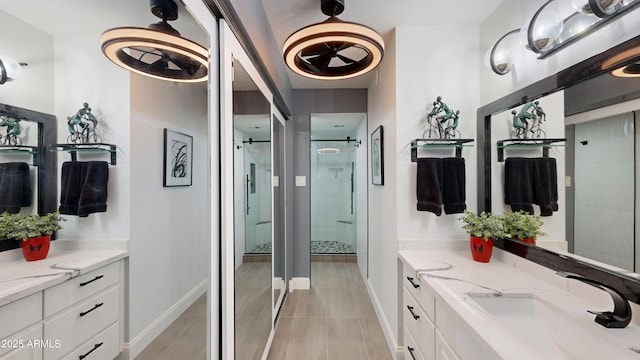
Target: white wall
column 84, row 74
column 360, row 207
column 382, row 282
column 34, row 89
column 421, row 63
column 425, row 71
column 512, row 14
column 169, row 226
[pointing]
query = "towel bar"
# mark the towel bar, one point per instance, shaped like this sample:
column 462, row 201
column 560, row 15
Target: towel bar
column 457, row 144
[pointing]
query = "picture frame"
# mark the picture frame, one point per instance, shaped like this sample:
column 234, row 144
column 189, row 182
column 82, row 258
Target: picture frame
column 377, row 156
column 178, row 159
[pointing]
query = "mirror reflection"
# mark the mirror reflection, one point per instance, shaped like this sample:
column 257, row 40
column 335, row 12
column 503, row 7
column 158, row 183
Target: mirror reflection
column 596, row 170
column 278, row 146
column 252, row 216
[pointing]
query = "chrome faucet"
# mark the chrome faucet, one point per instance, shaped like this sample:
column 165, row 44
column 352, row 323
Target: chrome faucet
column 621, row 314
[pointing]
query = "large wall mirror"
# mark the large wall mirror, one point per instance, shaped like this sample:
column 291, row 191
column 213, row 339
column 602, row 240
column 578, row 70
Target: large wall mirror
column 253, row 189
column 253, row 236
column 595, row 111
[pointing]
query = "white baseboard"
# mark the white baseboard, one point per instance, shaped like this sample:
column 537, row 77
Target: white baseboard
column 392, row 343
column 134, row 347
column 299, row 283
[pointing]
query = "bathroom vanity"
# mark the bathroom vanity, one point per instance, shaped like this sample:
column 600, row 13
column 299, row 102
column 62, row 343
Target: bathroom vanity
column 509, row 308
column 67, row 306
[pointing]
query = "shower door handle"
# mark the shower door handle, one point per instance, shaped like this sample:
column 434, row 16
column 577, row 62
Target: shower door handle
column 247, row 196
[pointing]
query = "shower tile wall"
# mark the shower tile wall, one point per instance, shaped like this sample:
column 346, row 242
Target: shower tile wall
column 332, row 223
column 605, row 190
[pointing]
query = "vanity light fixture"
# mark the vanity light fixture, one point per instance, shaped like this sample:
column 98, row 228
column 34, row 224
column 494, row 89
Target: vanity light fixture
column 10, row 69
column 558, row 23
column 159, row 51
column 333, row 49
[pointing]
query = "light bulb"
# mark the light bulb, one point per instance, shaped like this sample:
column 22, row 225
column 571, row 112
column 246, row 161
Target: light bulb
column 12, row 68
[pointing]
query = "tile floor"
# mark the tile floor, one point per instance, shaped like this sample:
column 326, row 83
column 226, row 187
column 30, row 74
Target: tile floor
column 184, row 339
column 334, row 320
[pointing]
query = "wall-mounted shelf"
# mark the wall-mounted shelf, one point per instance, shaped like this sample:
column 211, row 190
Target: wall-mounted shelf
column 21, row 150
column 74, row 149
column 438, row 144
column 545, row 144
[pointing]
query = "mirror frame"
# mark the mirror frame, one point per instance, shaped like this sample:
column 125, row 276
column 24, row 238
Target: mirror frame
column 603, row 62
column 45, row 161
column 230, row 49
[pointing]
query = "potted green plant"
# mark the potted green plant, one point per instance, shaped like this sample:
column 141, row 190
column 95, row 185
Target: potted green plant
column 523, row 226
column 482, row 229
column 32, row 230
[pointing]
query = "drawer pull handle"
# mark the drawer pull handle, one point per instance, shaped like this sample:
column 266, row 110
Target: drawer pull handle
column 90, row 310
column 415, row 317
column 90, row 281
column 95, row 347
column 415, row 286
column 411, row 350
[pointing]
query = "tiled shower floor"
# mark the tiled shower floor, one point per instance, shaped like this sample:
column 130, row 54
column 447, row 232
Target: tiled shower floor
column 317, row 247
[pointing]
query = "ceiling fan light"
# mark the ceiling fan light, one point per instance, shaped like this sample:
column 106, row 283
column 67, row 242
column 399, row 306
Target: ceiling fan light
column 333, row 50
column 628, row 71
column 328, row 151
column 127, row 46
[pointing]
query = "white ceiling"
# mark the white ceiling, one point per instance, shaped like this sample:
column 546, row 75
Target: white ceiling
column 285, row 17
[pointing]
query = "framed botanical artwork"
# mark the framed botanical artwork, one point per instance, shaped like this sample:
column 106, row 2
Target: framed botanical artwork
column 178, row 159
column 377, row 157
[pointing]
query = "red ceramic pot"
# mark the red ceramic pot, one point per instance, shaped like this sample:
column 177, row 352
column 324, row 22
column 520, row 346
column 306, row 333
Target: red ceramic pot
column 36, row 248
column 527, row 240
column 481, row 249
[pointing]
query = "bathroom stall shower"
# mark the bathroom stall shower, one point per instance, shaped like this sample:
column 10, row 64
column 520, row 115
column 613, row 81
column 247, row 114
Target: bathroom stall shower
column 333, row 196
column 257, row 197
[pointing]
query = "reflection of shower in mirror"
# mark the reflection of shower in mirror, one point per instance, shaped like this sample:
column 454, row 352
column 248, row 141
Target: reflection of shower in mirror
column 336, row 171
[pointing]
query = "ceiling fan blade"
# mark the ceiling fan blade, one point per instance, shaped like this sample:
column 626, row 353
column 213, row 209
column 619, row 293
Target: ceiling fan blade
column 318, row 49
column 159, row 64
column 321, row 62
column 341, row 46
column 346, row 59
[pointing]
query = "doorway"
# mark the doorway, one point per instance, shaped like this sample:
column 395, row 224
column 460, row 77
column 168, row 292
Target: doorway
column 338, row 185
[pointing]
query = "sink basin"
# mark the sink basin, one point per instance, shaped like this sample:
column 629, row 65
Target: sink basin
column 551, row 332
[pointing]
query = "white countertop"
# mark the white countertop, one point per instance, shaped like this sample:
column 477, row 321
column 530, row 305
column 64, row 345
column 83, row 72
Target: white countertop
column 454, row 274
column 20, row 278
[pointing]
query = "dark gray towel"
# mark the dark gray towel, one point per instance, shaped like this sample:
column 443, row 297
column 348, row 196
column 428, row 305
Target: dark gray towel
column 93, row 196
column 84, row 187
column 453, row 185
column 15, row 187
column 429, row 185
column 545, row 184
column 518, row 188
column 70, row 187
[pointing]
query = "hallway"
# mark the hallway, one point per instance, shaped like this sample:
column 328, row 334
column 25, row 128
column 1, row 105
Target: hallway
column 334, row 320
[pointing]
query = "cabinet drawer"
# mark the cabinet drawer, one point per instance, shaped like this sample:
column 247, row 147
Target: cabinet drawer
column 21, row 346
column 420, row 291
column 82, row 322
column 421, row 328
column 105, row 346
column 411, row 351
column 77, row 289
column 19, row 314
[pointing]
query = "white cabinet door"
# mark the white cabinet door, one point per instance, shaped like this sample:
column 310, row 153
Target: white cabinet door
column 443, row 350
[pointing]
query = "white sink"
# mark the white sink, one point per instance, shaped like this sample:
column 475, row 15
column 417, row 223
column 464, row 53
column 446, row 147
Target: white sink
column 551, row 332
